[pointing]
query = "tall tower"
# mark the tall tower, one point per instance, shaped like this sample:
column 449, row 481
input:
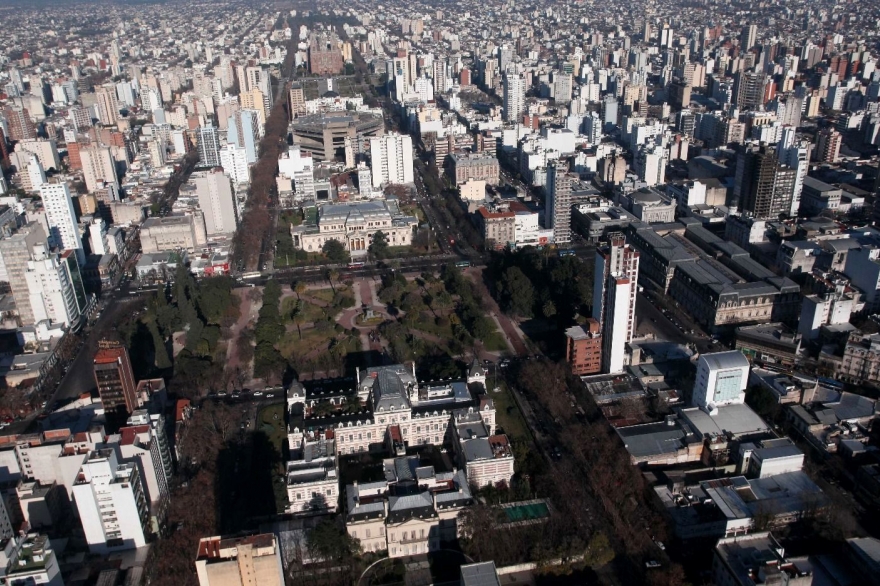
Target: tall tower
column 115, row 379
column 748, row 37
column 108, row 105
column 615, row 283
column 63, row 229
column 763, row 187
column 208, row 145
column 514, row 96
column 557, row 213
column 16, row 253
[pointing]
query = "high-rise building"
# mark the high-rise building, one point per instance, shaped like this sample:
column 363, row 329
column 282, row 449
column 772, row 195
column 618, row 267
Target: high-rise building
column 391, row 159
column 16, row 251
column 439, row 76
column 115, row 379
column 557, row 212
column 111, row 503
column 107, row 103
column 763, row 187
column 21, row 127
column 99, row 167
column 244, row 131
column 255, row 100
column 208, row 144
column 721, row 380
column 514, row 96
column 749, row 37
column 234, row 161
column 297, row 100
column 247, row 561
column 615, row 284
column 53, row 296
column 828, row 145
column 750, row 89
column 61, row 217
column 795, row 154
column 216, row 202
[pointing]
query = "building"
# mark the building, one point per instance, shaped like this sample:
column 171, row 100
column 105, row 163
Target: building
column 514, row 96
column 297, row 100
column 486, row 458
column 557, row 212
column 55, row 293
column 171, row 233
column 498, row 228
column 107, row 104
column 834, row 307
column 61, row 217
column 861, row 358
column 324, row 134
column 757, row 558
column 615, row 284
column 216, row 202
column 828, row 143
column 412, row 511
column 325, row 57
column 15, row 252
column 763, row 187
column 722, row 378
column 99, row 167
column 115, row 379
column 208, row 145
column 245, row 561
column 234, row 161
column 313, row 476
column 650, row 205
column 751, row 89
column 111, row 502
column 464, row 167
column 480, row 574
column 354, row 224
column 770, row 342
column 244, row 132
column 391, row 159
column 20, row 125
column 583, row 348
column 29, row 559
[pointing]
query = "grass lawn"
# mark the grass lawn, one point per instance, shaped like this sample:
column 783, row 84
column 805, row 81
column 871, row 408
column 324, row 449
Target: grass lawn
column 496, row 342
column 327, row 294
column 270, row 420
column 431, row 327
column 507, row 413
column 311, row 312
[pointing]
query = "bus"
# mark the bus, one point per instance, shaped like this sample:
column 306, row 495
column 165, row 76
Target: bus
column 565, row 252
column 356, row 265
column 253, row 275
column 463, row 264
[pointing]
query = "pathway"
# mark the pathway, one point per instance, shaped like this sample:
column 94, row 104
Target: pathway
column 509, row 330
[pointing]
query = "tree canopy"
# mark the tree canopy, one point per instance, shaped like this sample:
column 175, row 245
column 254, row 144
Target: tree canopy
column 335, row 251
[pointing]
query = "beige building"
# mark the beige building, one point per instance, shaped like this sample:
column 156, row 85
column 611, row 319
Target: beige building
column 473, row 190
column 464, row 167
column 171, row 233
column 324, row 134
column 354, row 224
column 413, row 511
column 499, row 227
column 861, row 358
column 240, row 561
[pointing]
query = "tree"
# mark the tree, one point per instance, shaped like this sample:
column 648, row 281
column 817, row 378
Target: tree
column 517, row 292
column 328, row 543
column 298, row 287
column 379, row 245
column 331, row 275
column 335, row 251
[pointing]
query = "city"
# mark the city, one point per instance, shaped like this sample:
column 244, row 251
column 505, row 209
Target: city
column 460, row 293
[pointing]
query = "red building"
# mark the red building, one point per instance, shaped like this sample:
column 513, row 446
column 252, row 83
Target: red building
column 115, row 380
column 583, row 348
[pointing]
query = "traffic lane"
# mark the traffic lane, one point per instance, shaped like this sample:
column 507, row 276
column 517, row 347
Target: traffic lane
column 656, row 320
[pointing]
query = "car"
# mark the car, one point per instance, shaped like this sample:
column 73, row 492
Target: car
column 652, row 564
column 660, row 545
column 258, row 393
column 221, row 394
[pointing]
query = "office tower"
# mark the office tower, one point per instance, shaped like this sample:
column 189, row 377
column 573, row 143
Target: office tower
column 216, row 202
column 297, row 101
column 99, row 167
column 750, row 89
column 439, row 76
column 721, row 380
column 52, row 292
column 234, row 161
column 16, row 251
column 615, row 284
column 108, row 105
column 21, row 127
column 748, row 37
column 762, row 186
column 392, row 159
column 514, row 96
column 111, row 503
column 115, row 379
column 243, row 130
column 251, row 560
column 208, row 144
column 61, row 217
column 557, row 213
column 828, row 145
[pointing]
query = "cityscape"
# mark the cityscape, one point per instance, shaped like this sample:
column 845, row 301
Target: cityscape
column 458, row 293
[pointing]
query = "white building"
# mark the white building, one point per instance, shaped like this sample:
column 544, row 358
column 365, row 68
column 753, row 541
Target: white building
column 61, row 217
column 216, row 202
column 313, row 476
column 296, row 173
column 392, row 159
column 29, row 559
column 354, row 224
column 97, row 236
column 33, row 176
column 111, row 502
column 234, row 161
column 98, row 167
column 615, row 284
column 721, row 380
column 514, row 101
column 52, row 292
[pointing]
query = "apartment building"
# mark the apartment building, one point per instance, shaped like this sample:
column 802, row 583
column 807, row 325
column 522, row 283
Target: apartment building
column 246, row 561
column 583, row 348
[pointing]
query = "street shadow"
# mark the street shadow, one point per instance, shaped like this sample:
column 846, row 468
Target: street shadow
column 363, row 359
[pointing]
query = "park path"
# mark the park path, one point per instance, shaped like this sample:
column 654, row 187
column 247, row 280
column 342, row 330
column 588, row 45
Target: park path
column 249, row 310
column 511, row 333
